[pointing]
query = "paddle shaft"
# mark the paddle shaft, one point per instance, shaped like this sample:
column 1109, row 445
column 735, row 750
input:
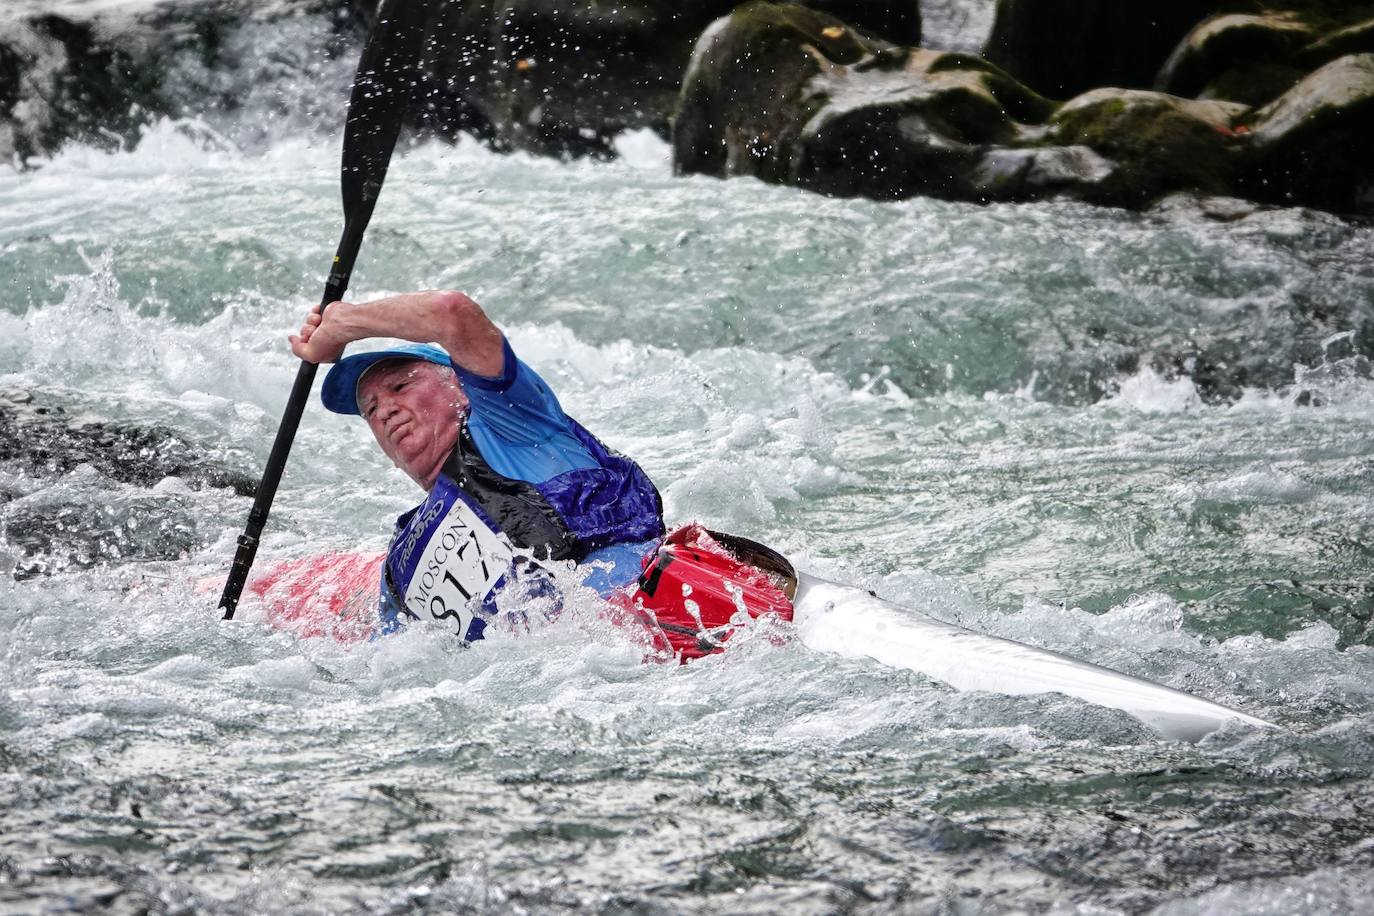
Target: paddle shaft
column 281, row 450
column 376, row 108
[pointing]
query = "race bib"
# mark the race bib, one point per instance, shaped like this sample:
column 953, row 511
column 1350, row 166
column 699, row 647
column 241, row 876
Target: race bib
column 460, row 564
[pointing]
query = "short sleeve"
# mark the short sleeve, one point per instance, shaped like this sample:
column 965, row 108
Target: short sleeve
column 518, row 424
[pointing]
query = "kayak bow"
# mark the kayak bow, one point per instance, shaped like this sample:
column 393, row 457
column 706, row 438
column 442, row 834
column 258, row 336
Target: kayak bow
column 856, row 624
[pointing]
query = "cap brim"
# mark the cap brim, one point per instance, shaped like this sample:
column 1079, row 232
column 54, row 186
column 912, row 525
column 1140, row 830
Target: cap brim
column 340, row 390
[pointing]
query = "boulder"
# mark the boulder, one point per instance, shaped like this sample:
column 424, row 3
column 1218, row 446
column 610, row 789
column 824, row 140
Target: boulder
column 791, row 95
column 111, row 502
column 1062, row 48
column 1160, row 142
column 745, row 96
column 1312, row 144
column 1238, row 57
column 919, row 123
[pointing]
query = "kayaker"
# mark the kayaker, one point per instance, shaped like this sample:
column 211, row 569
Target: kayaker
column 510, row 479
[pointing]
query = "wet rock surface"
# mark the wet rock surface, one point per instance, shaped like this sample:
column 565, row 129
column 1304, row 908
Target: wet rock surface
column 43, row 439
column 76, row 491
column 1159, row 142
column 1238, row 57
column 1312, row 144
column 797, row 97
column 837, row 96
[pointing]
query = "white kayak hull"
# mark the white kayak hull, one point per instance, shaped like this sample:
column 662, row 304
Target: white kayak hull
column 853, row 623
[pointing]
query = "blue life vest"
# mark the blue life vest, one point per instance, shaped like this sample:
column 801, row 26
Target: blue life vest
column 477, row 527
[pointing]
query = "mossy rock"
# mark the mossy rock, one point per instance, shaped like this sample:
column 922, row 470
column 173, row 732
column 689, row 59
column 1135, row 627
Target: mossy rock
column 745, row 95
column 1160, row 142
column 1251, row 44
column 1311, row 145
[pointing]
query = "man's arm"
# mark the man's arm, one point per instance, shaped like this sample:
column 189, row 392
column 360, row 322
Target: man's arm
column 447, row 318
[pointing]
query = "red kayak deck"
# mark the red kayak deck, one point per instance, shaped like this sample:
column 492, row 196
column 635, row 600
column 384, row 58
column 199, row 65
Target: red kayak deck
column 694, row 591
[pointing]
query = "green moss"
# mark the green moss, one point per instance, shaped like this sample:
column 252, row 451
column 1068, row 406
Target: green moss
column 1158, row 147
column 1020, row 101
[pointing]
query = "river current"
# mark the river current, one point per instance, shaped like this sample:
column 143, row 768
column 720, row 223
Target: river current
column 1146, row 440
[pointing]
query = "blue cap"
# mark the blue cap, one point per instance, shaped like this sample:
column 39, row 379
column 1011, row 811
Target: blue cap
column 340, row 390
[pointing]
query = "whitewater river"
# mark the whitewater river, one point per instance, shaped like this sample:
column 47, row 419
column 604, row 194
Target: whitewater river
column 1146, row 440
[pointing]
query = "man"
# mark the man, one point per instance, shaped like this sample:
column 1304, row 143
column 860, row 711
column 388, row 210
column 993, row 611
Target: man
column 510, row 479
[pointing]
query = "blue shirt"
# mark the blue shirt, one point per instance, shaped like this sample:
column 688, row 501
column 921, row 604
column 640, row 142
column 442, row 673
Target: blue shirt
column 519, row 425
column 523, row 433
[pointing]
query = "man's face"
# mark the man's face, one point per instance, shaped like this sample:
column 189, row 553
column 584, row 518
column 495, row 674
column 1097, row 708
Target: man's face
column 413, row 408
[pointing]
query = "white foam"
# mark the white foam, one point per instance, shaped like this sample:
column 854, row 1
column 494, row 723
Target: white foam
column 1323, row 892
column 644, row 150
column 1265, row 486
column 1149, row 392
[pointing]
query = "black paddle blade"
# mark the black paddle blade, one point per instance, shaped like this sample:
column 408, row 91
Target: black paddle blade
column 382, row 90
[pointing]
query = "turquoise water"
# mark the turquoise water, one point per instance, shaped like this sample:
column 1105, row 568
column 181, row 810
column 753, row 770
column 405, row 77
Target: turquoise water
column 1143, row 439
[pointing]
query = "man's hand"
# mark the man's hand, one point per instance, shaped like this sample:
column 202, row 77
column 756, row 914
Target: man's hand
column 322, row 338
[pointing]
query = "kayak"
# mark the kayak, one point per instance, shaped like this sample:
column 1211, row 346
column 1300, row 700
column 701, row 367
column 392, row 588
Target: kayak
column 697, row 587
column 854, row 623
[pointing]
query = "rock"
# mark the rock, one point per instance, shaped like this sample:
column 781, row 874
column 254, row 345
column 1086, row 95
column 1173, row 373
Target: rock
column 41, row 439
column 98, row 73
column 1161, row 142
column 1064, row 47
column 1026, row 174
column 1354, row 39
column 791, row 95
column 1312, row 144
column 63, row 503
column 549, row 76
column 567, row 76
column 1241, row 58
column 931, row 116
column 744, row 97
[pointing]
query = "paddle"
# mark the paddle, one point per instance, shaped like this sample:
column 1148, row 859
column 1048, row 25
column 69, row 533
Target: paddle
column 381, row 91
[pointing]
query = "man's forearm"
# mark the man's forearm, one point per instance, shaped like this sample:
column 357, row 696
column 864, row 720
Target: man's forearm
column 448, row 318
